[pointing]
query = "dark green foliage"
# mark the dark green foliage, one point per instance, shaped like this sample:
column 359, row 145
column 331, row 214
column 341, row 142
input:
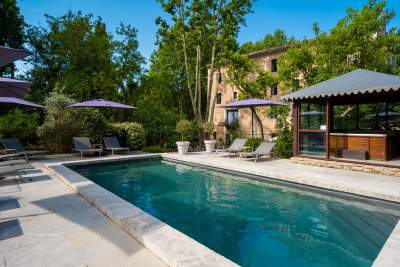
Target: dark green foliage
column 253, row 143
column 19, row 124
column 283, row 147
column 153, row 149
column 159, row 100
column 132, row 133
column 76, row 55
column 11, row 29
column 92, row 123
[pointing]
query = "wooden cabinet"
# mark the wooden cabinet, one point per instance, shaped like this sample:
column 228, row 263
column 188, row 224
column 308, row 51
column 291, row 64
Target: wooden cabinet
column 377, row 145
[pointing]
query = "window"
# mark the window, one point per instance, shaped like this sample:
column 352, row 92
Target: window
column 312, row 116
column 235, row 95
column 372, row 116
column 393, row 116
column 274, row 89
column 219, row 77
column 232, row 116
column 344, row 117
column 219, row 98
column 312, row 143
column 274, row 65
column 361, row 117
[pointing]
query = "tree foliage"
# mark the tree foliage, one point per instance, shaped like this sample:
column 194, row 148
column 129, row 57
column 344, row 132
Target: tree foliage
column 278, row 38
column 77, row 55
column 202, row 32
column 21, row 124
column 11, row 29
column 359, row 40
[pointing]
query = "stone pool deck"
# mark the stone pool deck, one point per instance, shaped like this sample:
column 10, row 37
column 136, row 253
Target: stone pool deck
column 364, row 184
column 43, row 222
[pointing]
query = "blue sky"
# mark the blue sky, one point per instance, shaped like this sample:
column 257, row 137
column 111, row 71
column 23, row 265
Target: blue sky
column 295, row 17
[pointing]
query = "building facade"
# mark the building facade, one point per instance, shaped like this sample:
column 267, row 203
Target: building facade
column 225, row 120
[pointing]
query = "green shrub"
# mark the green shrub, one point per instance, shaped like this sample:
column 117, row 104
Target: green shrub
column 132, row 133
column 208, row 129
column 92, row 123
column 19, row 124
column 183, row 127
column 60, row 124
column 153, row 149
column 283, row 146
column 253, row 143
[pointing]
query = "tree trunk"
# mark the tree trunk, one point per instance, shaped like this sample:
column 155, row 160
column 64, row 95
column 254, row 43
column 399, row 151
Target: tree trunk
column 210, row 84
column 258, row 122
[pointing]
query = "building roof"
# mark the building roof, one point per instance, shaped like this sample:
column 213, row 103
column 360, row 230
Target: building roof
column 359, row 81
column 269, row 51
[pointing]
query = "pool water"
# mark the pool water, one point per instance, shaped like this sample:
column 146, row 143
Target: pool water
column 251, row 223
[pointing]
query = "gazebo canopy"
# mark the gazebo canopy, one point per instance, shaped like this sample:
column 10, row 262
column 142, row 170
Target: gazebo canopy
column 356, row 82
column 9, row 55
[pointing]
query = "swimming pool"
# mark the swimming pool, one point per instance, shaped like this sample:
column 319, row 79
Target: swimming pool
column 249, row 222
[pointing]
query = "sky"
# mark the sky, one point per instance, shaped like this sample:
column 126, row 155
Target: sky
column 295, row 17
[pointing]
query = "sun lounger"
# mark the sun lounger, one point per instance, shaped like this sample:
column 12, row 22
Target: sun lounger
column 13, row 143
column 8, row 156
column 235, row 147
column 264, row 149
column 112, row 143
column 83, row 145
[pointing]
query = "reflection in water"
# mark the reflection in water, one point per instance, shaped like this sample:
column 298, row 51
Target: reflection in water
column 249, row 222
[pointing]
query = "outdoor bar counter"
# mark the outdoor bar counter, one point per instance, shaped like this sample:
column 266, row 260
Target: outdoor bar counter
column 377, row 146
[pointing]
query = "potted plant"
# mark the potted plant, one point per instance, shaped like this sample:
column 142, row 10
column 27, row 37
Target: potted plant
column 183, row 127
column 208, row 129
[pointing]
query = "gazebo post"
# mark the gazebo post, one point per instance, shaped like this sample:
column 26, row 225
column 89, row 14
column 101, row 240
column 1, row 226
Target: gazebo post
column 328, row 123
column 295, row 114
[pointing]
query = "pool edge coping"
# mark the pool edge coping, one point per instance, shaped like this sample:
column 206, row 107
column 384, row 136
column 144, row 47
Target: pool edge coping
column 168, row 244
column 117, row 208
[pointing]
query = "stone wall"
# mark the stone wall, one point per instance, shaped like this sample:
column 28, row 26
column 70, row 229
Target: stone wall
column 348, row 166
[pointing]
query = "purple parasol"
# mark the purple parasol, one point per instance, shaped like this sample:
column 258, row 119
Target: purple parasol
column 100, row 103
column 13, row 87
column 9, row 55
column 251, row 102
column 18, row 101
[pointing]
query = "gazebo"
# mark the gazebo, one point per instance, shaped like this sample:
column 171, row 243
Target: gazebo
column 353, row 116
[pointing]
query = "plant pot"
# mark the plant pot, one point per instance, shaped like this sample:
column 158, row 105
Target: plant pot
column 183, row 147
column 210, row 145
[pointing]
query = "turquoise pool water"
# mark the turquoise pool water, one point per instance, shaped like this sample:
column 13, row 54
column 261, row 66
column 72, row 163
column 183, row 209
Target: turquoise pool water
column 251, row 223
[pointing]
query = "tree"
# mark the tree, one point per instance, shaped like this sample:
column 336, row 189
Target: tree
column 359, row 40
column 202, row 32
column 77, row 55
column 278, row 38
column 11, row 30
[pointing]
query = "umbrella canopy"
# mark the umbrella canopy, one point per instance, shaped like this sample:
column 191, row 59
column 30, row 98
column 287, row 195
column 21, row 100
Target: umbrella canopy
column 13, row 87
column 18, row 101
column 9, row 55
column 100, row 103
column 251, row 102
